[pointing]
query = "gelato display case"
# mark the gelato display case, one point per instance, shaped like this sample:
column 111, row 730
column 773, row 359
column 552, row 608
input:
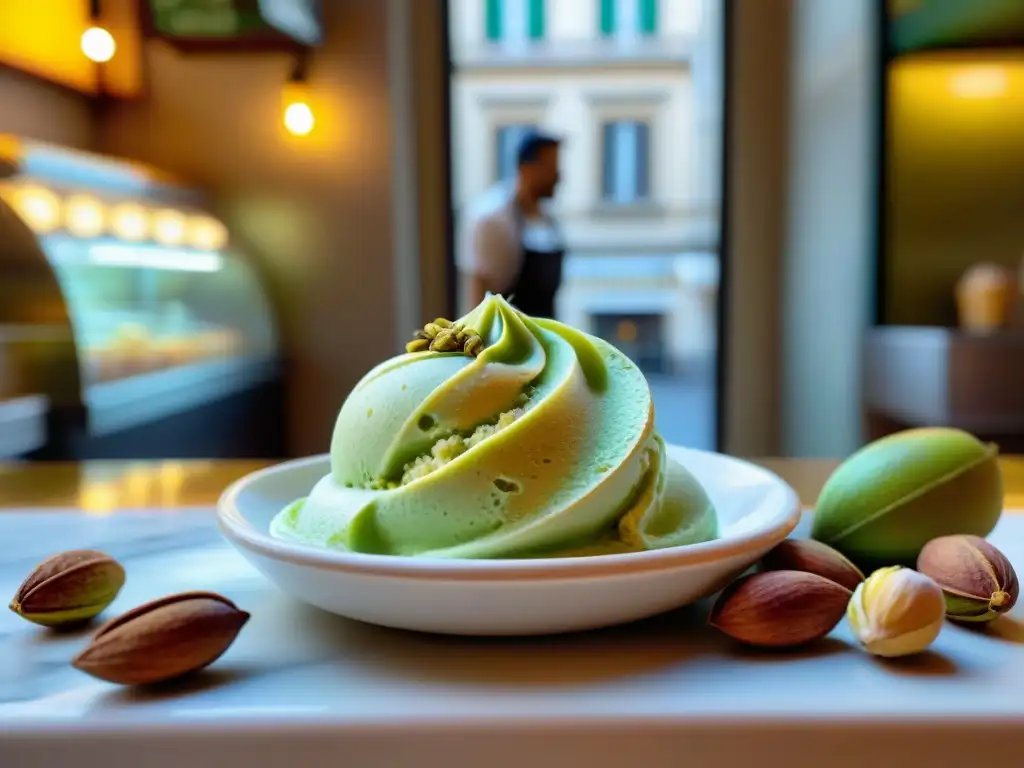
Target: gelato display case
column 125, row 304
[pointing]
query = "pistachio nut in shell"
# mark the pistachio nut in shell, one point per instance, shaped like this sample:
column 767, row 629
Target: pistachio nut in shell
column 979, row 583
column 69, row 588
column 813, row 557
column 896, row 611
column 163, row 639
column 779, row 609
column 890, row 498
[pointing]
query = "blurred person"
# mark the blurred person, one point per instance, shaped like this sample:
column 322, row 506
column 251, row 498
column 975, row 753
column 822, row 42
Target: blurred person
column 513, row 246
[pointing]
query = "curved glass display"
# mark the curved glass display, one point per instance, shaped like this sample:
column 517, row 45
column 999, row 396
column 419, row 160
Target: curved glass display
column 137, row 309
column 166, row 314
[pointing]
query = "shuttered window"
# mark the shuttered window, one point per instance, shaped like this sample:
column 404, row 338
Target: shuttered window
column 514, row 20
column 628, row 18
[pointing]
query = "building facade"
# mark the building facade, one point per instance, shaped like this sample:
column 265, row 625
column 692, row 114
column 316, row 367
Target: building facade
column 634, row 88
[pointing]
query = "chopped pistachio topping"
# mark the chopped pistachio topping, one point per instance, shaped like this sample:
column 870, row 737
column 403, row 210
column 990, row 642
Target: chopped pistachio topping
column 448, row 448
column 445, row 336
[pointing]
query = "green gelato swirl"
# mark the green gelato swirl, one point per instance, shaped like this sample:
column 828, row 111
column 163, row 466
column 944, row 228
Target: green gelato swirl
column 543, row 445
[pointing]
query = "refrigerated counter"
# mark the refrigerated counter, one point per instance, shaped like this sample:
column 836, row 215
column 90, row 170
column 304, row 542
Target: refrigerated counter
column 127, row 306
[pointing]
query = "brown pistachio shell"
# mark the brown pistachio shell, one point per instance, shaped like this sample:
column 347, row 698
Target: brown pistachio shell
column 69, row 588
column 813, row 557
column 978, row 582
column 163, row 639
column 779, row 609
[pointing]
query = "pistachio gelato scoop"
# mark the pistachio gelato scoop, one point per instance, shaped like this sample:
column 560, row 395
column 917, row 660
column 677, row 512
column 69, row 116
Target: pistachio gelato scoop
column 534, row 440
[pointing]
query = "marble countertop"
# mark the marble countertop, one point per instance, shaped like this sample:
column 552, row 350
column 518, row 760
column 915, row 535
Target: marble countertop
column 303, row 688
column 105, row 487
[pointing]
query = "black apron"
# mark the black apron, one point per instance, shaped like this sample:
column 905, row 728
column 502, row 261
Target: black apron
column 540, row 275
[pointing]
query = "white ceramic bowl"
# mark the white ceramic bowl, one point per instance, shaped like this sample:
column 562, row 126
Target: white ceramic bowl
column 756, row 510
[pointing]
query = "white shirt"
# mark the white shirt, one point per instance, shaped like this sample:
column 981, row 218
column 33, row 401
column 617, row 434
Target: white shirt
column 493, row 242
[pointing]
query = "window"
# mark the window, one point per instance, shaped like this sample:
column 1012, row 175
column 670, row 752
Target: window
column 625, row 161
column 627, row 18
column 515, row 20
column 508, row 139
column 636, row 87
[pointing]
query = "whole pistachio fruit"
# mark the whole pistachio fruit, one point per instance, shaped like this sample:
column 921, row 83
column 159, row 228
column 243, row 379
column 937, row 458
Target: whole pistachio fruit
column 894, row 495
column 69, row 589
column 978, row 582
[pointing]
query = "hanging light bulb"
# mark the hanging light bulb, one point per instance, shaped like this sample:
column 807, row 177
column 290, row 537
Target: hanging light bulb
column 97, row 43
column 299, row 119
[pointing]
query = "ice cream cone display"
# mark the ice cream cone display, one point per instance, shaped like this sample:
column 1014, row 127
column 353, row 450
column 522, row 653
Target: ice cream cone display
column 985, row 296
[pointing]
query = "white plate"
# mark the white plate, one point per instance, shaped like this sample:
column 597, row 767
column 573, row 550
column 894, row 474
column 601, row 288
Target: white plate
column 756, row 510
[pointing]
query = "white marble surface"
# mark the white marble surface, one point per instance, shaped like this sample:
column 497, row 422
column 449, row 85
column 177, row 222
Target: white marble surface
column 303, row 688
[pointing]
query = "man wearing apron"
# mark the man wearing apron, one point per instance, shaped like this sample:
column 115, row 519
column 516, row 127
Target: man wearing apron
column 514, row 248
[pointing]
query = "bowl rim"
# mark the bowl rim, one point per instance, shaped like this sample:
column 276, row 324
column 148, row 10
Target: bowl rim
column 239, row 531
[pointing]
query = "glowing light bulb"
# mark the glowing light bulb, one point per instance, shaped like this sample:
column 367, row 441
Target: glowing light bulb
column 207, row 234
column 84, row 216
column 168, row 227
column 39, row 207
column 98, row 45
column 129, row 222
column 298, row 118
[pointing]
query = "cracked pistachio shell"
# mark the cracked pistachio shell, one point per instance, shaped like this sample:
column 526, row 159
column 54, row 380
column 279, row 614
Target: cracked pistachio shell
column 894, row 495
column 69, row 588
column 896, row 611
column 978, row 582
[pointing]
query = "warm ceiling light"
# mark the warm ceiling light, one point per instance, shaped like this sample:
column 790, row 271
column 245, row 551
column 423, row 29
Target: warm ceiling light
column 169, row 227
column 979, row 82
column 84, row 216
column 206, row 234
column 130, row 222
column 298, row 114
column 39, row 207
column 98, row 45
column 298, row 118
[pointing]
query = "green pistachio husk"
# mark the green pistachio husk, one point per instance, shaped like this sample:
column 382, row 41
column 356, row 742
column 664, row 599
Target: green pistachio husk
column 894, row 495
